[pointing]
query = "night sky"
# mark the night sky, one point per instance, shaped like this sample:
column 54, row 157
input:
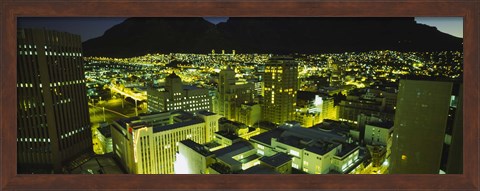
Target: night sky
column 92, row 27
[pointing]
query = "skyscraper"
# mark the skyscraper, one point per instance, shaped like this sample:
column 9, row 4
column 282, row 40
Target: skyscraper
column 52, row 112
column 423, row 126
column 281, row 82
column 231, row 95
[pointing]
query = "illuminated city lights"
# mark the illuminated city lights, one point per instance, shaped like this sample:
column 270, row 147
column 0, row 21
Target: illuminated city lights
column 228, row 112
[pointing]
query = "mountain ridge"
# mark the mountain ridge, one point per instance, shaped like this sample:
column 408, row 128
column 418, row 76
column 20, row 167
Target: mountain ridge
column 277, row 35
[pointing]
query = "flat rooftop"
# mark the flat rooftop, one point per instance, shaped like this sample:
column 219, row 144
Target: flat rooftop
column 383, row 124
column 276, row 160
column 196, row 147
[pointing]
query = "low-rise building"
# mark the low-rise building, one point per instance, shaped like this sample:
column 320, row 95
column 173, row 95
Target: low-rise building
column 176, row 96
column 314, row 150
column 313, row 108
column 378, row 133
column 367, row 102
column 104, row 138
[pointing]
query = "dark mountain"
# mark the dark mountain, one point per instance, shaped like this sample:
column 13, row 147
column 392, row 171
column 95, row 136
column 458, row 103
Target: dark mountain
column 139, row 36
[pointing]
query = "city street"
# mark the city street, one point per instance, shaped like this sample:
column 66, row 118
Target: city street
column 108, row 111
column 113, row 111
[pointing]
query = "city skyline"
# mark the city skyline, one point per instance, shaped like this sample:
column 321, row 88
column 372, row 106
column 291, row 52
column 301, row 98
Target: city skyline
column 309, row 103
column 244, row 110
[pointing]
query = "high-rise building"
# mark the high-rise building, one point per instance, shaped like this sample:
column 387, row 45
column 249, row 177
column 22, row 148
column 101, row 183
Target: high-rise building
column 176, row 96
column 52, row 112
column 336, row 74
column 232, row 94
column 281, row 82
column 148, row 144
column 424, row 122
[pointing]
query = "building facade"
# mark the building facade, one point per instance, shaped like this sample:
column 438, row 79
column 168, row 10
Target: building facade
column 313, row 108
column 148, row 144
column 249, row 114
column 280, row 91
column 313, row 151
column 52, row 112
column 423, row 119
column 176, row 96
column 231, row 94
column 371, row 102
column 378, row 133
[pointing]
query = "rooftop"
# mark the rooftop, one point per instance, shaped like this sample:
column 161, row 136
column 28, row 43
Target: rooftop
column 226, row 154
column 159, row 128
column 234, row 149
column 321, row 149
column 173, row 75
column 105, row 131
column 206, row 113
column 190, row 87
column 276, row 160
column 307, row 95
column 266, row 138
column 228, row 135
column 196, row 147
column 382, row 124
column 314, row 134
column 346, row 148
column 260, row 169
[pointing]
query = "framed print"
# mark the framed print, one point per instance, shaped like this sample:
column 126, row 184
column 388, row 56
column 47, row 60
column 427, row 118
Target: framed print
column 170, row 127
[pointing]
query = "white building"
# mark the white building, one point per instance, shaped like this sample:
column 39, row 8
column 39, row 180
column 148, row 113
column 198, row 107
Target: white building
column 192, row 158
column 148, row 144
column 313, row 150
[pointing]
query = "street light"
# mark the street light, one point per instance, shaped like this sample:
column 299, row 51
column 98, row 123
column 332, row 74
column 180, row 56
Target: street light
column 94, row 110
column 103, row 114
column 136, row 109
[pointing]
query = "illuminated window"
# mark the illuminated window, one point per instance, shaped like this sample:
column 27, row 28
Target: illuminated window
column 260, row 152
column 295, row 153
column 295, row 165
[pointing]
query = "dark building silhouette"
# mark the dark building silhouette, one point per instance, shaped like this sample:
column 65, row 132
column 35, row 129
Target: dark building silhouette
column 52, row 113
column 427, row 133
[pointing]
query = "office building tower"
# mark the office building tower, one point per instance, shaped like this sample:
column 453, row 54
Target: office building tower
column 232, row 94
column 424, row 122
column 52, row 112
column 176, row 96
column 148, row 144
column 281, row 82
column 336, row 73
